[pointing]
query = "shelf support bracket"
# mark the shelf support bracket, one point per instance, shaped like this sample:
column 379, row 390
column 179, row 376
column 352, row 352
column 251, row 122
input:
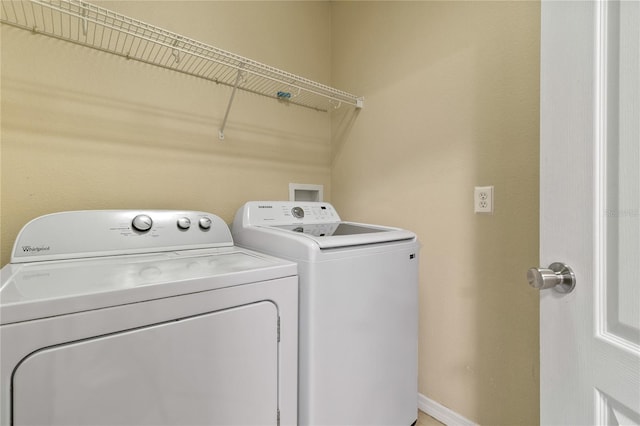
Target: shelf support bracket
column 233, row 94
column 175, row 52
column 85, row 23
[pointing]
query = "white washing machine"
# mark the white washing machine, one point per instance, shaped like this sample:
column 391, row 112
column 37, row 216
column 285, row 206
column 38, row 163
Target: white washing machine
column 358, row 312
column 145, row 318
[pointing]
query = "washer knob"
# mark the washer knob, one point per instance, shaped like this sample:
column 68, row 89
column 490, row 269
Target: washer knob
column 297, row 212
column 142, row 223
column 205, row 222
column 184, row 223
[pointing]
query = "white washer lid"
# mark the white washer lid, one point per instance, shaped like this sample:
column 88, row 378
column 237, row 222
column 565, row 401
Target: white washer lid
column 345, row 234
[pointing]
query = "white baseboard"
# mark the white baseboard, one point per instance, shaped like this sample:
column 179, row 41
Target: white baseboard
column 442, row 413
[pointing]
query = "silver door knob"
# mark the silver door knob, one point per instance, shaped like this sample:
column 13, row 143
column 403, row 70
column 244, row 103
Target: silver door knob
column 559, row 277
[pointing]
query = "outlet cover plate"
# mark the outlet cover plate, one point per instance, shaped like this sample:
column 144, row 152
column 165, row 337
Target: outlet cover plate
column 483, row 199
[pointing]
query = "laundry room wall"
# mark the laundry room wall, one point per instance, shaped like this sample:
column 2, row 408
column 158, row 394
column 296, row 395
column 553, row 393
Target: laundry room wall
column 83, row 129
column 451, row 101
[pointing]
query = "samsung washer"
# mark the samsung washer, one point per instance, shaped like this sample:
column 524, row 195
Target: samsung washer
column 358, row 312
column 145, row 318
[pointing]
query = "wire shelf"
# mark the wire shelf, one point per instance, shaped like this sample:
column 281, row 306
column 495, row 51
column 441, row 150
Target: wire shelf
column 92, row 26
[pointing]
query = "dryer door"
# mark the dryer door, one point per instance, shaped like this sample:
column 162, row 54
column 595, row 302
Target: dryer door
column 218, row 368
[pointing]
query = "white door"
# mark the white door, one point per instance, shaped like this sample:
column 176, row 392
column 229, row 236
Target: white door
column 590, row 211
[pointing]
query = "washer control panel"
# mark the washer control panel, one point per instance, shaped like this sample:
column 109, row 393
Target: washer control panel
column 289, row 212
column 90, row 233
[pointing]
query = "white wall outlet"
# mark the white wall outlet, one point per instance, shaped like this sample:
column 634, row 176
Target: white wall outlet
column 483, row 199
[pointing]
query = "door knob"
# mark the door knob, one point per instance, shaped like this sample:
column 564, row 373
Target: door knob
column 559, row 277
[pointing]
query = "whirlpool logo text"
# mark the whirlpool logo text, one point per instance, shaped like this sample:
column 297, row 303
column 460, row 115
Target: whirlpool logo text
column 36, row 249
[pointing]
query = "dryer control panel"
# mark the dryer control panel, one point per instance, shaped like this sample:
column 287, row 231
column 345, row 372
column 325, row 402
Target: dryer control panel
column 289, row 212
column 93, row 233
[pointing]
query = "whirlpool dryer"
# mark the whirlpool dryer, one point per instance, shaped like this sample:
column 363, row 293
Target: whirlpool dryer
column 358, row 328
column 145, row 318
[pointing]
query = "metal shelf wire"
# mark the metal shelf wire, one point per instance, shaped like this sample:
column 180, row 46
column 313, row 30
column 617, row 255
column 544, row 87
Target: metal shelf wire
column 92, row 26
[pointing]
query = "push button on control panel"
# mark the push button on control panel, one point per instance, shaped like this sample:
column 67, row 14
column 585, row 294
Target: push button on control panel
column 184, row 223
column 205, row 222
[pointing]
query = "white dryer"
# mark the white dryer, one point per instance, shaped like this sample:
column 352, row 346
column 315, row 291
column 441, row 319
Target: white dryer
column 358, row 312
column 145, row 318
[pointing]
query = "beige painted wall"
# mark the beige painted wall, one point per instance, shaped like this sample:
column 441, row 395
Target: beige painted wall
column 85, row 130
column 451, row 101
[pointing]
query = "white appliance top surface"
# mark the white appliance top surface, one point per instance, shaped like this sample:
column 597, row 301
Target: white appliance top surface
column 315, row 221
column 77, row 282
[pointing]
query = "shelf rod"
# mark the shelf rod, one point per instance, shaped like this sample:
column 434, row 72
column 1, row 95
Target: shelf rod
column 233, row 94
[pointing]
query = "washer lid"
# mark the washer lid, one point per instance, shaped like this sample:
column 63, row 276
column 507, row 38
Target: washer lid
column 44, row 289
column 344, row 234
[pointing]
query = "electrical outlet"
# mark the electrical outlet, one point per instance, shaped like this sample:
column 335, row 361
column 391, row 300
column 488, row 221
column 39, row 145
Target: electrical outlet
column 483, row 199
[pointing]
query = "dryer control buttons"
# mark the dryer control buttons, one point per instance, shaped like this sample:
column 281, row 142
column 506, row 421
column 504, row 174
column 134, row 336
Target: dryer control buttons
column 184, row 223
column 142, row 223
column 205, row 222
column 297, row 212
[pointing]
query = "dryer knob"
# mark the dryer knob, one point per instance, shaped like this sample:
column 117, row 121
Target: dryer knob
column 205, row 222
column 184, row 223
column 142, row 223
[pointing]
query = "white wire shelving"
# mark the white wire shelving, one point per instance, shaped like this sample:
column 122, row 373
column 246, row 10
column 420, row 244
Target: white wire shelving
column 92, row 26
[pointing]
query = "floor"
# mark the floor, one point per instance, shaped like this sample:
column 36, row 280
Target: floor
column 426, row 420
